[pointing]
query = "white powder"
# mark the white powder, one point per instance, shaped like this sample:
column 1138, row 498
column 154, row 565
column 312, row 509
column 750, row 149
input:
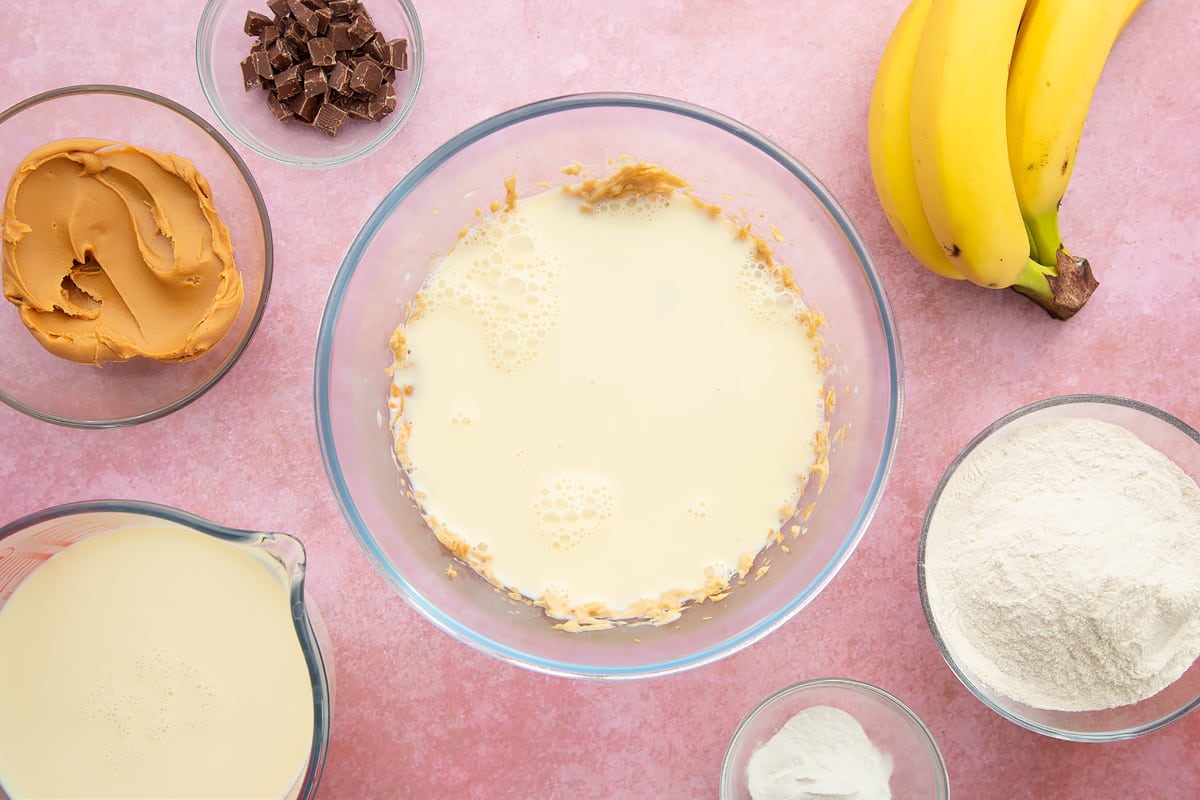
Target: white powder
column 1062, row 566
column 822, row 753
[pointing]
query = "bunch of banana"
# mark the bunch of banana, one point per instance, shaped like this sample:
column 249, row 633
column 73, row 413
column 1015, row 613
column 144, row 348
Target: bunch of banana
column 975, row 117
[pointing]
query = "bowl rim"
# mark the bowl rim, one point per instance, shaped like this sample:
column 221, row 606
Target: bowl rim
column 302, row 615
column 479, row 640
column 861, row 688
column 1079, row 399
column 396, row 120
column 268, row 253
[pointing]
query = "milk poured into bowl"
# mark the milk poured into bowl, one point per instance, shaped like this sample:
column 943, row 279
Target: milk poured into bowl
column 152, row 661
column 608, row 409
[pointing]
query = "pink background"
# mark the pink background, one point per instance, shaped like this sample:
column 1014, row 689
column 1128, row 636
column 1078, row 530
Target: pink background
column 419, row 715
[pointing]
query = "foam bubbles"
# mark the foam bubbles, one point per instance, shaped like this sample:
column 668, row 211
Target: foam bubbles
column 570, row 510
column 507, row 281
column 769, row 300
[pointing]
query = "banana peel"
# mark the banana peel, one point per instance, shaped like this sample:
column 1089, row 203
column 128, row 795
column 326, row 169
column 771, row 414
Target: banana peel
column 1060, row 290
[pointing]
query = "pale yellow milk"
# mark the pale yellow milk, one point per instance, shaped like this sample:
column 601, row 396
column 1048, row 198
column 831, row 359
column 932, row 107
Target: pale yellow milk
column 610, row 405
column 152, row 662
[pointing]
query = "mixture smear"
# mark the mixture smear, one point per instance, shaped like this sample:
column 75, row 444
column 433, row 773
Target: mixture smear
column 608, row 399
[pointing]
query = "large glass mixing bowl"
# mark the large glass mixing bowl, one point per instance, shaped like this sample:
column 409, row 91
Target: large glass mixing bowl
column 417, row 222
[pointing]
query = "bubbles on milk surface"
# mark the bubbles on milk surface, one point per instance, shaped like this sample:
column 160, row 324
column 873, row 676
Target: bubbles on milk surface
column 769, row 300
column 159, row 694
column 570, row 510
column 508, row 281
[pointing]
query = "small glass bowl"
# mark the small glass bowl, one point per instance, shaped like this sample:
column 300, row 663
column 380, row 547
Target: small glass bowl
column 222, row 43
column 420, row 219
column 27, row 543
column 1171, row 437
column 37, row 382
column 918, row 769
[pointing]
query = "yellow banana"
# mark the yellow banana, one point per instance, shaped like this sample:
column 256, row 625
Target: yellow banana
column 1060, row 51
column 889, row 142
column 959, row 140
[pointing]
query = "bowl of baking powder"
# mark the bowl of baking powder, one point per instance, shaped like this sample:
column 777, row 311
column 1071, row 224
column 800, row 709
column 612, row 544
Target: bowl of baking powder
column 1059, row 567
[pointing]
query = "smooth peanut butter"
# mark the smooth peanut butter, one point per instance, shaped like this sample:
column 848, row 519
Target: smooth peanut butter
column 113, row 251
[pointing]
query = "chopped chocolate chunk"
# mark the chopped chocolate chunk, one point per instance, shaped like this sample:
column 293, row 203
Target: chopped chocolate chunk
column 305, row 107
column 323, row 17
column 280, row 111
column 279, row 55
column 261, row 61
column 356, row 108
column 329, row 119
column 339, row 78
column 373, row 47
column 288, row 83
column 341, row 8
column 382, row 102
column 320, row 49
column 279, row 7
column 395, row 54
column 305, row 16
column 361, row 29
column 367, row 77
column 250, row 76
column 315, row 82
column 255, row 22
column 339, row 34
column 268, row 36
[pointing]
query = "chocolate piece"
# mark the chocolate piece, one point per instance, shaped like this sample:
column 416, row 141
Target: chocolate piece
column 288, row 83
column 268, row 36
column 361, row 29
column 279, row 55
column 305, row 107
column 321, row 51
column 395, row 54
column 280, row 111
column 341, row 8
column 315, row 83
column 367, row 77
column 305, row 16
column 339, row 78
column 255, row 22
column 262, row 64
column 250, row 76
column 374, row 47
column 382, row 103
column 278, row 7
column 329, row 119
column 323, row 17
column 339, row 34
column 359, row 109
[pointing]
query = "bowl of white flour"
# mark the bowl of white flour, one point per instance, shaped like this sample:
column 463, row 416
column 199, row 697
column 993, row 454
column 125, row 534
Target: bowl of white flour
column 832, row 738
column 1059, row 567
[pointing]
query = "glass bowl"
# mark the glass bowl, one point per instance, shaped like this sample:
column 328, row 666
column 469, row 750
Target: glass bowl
column 418, row 221
column 918, row 769
column 222, row 43
column 43, row 385
column 27, row 543
column 1163, row 432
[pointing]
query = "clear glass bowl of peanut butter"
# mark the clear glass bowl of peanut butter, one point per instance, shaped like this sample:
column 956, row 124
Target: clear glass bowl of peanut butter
column 137, row 256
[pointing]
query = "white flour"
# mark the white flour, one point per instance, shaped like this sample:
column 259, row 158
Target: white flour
column 1062, row 566
column 822, row 753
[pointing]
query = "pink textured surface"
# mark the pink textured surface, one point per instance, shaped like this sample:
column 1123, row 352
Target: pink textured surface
column 419, row 715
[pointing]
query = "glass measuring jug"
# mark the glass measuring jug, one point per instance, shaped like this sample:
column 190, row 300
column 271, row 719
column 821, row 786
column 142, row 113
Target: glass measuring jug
column 29, row 543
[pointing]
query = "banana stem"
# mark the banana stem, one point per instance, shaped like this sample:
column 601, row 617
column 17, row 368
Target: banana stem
column 1060, row 290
